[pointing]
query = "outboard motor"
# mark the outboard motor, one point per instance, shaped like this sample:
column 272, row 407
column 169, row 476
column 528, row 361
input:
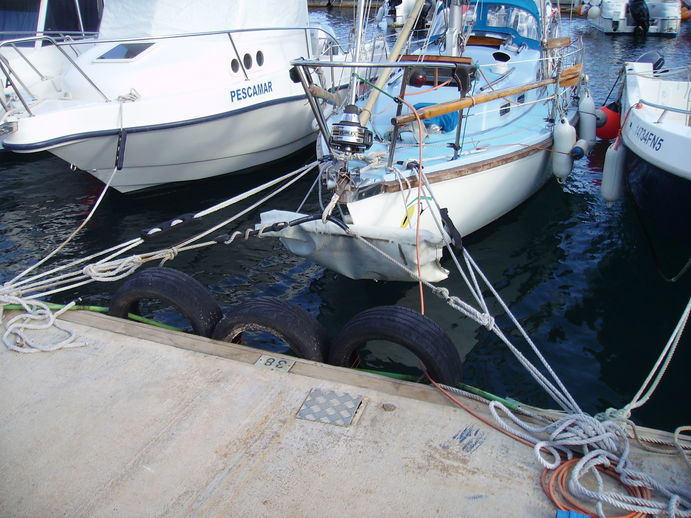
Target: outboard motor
column 641, row 16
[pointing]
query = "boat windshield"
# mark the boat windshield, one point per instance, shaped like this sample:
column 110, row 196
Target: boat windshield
column 18, row 18
column 519, row 20
column 22, row 18
column 501, row 16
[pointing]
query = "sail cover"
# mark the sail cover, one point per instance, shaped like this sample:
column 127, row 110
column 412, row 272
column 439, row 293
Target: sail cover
column 141, row 18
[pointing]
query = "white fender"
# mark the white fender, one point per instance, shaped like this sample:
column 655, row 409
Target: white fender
column 586, row 118
column 612, row 185
column 564, row 136
column 593, row 12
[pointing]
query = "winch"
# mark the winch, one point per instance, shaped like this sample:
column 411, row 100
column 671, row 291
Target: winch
column 348, row 135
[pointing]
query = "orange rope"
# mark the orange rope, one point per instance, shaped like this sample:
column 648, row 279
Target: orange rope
column 554, row 483
column 429, row 89
column 418, row 204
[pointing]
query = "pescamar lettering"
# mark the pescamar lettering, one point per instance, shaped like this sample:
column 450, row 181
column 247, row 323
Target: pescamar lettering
column 247, row 92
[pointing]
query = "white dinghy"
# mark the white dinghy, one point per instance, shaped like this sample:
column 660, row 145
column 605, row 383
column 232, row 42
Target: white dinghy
column 175, row 91
column 483, row 110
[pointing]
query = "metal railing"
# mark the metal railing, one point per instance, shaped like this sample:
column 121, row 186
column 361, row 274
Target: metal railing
column 666, row 110
column 20, row 88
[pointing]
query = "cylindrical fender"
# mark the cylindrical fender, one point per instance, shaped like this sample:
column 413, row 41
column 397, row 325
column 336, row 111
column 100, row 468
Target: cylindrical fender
column 300, row 331
column 407, row 328
column 612, row 186
column 586, row 118
column 173, row 287
column 564, row 136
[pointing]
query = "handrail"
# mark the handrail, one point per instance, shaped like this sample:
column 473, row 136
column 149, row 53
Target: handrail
column 370, row 64
column 183, row 35
column 569, row 77
column 665, row 108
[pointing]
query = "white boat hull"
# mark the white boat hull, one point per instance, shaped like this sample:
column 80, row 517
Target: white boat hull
column 473, row 200
column 176, row 107
column 657, row 171
column 195, row 151
column 614, row 18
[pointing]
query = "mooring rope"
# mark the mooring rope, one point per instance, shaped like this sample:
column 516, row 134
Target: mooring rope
column 26, row 291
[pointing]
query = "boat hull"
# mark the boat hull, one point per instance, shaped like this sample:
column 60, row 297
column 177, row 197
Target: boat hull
column 194, row 150
column 663, row 198
column 615, row 18
column 474, row 200
column 656, row 134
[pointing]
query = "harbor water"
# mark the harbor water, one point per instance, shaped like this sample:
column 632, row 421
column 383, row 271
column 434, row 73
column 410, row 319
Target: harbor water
column 583, row 277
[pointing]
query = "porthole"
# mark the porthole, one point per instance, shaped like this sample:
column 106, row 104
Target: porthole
column 504, row 109
column 260, row 58
column 235, row 65
column 247, row 61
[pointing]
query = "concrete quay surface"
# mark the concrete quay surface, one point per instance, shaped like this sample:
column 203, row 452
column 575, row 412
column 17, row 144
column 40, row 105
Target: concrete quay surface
column 147, row 422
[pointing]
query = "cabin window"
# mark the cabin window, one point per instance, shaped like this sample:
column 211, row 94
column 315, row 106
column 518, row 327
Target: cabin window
column 125, row 51
column 504, row 109
column 520, row 99
column 247, row 61
column 235, row 65
column 260, row 58
column 513, row 18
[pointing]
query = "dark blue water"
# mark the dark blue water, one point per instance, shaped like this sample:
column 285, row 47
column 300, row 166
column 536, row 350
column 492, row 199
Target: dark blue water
column 578, row 274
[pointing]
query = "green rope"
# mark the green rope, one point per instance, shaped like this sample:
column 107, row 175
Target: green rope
column 99, row 309
column 374, row 86
column 508, row 403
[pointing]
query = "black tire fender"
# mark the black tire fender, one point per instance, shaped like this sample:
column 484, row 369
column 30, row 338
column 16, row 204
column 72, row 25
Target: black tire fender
column 300, row 331
column 403, row 326
column 173, row 287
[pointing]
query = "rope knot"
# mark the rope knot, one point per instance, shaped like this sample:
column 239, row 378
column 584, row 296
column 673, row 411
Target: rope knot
column 168, row 254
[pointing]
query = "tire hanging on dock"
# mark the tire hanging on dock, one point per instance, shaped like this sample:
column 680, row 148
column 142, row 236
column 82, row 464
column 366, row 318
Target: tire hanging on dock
column 300, row 331
column 407, row 328
column 173, row 287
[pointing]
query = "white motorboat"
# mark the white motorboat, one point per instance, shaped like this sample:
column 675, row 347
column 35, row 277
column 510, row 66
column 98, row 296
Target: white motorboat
column 483, row 109
column 655, row 109
column 29, row 32
column 176, row 91
column 658, row 18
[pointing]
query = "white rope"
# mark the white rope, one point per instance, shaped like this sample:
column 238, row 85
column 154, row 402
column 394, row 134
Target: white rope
column 602, row 444
column 37, row 317
column 660, row 366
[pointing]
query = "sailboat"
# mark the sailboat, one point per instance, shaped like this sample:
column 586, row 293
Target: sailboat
column 454, row 134
column 174, row 91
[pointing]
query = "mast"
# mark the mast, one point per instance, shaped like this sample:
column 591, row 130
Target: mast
column 454, row 30
column 359, row 29
column 401, row 42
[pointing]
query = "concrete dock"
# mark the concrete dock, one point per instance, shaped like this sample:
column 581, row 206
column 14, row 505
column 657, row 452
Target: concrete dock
column 147, row 422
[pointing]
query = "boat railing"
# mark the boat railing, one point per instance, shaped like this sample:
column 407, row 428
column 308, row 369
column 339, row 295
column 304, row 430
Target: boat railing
column 22, row 91
column 665, row 109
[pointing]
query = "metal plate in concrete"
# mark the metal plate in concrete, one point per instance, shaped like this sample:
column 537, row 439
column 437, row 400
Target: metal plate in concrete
column 330, row 407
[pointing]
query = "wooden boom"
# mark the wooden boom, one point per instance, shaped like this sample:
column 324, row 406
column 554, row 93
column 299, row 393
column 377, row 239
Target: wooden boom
column 569, row 77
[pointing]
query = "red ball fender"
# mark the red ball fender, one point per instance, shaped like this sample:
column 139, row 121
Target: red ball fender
column 607, row 123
